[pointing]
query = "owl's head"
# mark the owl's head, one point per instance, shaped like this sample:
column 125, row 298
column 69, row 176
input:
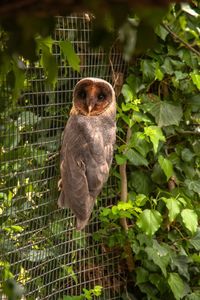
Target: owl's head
column 92, row 96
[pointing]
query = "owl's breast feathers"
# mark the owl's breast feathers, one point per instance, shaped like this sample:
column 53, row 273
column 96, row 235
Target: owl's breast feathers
column 86, row 156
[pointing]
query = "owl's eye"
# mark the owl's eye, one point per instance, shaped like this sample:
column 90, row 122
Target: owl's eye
column 101, row 97
column 82, row 95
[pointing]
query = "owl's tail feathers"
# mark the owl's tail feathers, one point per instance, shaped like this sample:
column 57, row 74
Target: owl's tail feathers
column 81, row 223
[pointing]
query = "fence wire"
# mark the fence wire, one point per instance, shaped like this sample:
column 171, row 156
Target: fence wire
column 38, row 243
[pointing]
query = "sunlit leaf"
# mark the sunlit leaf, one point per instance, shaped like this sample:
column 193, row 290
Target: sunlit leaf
column 49, row 64
column 173, row 207
column 196, row 79
column 68, row 52
column 158, row 72
column 124, row 205
column 120, row 159
column 27, row 118
column 161, row 32
column 155, row 134
column 190, row 219
column 149, row 221
column 38, row 255
column 166, row 166
column 127, row 93
column 187, row 8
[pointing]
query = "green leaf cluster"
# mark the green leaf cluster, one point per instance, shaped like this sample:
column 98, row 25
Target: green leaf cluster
column 158, row 144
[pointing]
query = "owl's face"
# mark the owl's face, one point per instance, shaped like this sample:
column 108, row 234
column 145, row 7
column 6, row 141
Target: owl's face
column 92, row 96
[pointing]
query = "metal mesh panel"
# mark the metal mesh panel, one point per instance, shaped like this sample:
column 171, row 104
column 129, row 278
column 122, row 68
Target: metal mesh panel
column 39, row 243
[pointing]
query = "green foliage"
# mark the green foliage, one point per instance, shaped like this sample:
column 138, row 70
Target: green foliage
column 149, row 221
column 87, row 294
column 160, row 114
column 31, row 129
column 68, row 52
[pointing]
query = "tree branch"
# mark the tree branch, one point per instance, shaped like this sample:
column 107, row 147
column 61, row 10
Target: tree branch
column 124, row 184
column 123, row 221
column 176, row 37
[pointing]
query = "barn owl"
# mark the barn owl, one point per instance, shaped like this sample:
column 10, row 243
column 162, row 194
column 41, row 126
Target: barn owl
column 87, row 147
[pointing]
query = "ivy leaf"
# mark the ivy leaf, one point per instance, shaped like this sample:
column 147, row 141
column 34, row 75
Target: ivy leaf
column 187, row 8
column 69, row 54
column 120, row 159
column 127, row 93
column 12, row 137
column 160, row 260
column 195, row 79
column 155, row 134
column 27, row 118
column 190, row 219
column 124, row 205
column 148, row 68
column 195, row 240
column 194, row 296
column 161, row 32
column 166, row 166
column 158, row 281
column 81, row 297
column 141, row 182
column 149, row 221
column 139, row 142
column 177, row 285
column 141, row 200
column 173, row 206
column 166, row 113
column 49, row 64
column 193, row 185
column 18, row 81
column 135, row 158
column 38, row 255
column 187, row 155
column 40, row 156
column 181, row 263
column 158, row 73
column 142, row 275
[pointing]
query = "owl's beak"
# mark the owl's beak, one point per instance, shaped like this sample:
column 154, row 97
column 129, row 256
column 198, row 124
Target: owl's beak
column 91, row 104
column 90, row 107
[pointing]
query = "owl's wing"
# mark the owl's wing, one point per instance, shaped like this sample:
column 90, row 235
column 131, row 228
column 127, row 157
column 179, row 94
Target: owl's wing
column 84, row 168
column 96, row 156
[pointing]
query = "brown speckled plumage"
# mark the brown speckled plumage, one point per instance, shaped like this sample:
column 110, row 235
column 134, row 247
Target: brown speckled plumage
column 87, row 147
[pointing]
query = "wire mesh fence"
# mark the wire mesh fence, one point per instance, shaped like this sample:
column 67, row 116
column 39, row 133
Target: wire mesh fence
column 38, row 243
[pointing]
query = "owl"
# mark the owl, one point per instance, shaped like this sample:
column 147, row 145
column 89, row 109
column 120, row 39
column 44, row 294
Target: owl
column 87, row 147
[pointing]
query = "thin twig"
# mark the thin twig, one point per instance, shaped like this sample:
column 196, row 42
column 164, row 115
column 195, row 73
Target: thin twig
column 184, row 133
column 175, row 36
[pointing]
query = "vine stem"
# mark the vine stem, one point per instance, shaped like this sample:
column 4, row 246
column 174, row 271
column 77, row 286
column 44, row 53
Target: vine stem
column 124, row 183
column 175, row 36
column 124, row 196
